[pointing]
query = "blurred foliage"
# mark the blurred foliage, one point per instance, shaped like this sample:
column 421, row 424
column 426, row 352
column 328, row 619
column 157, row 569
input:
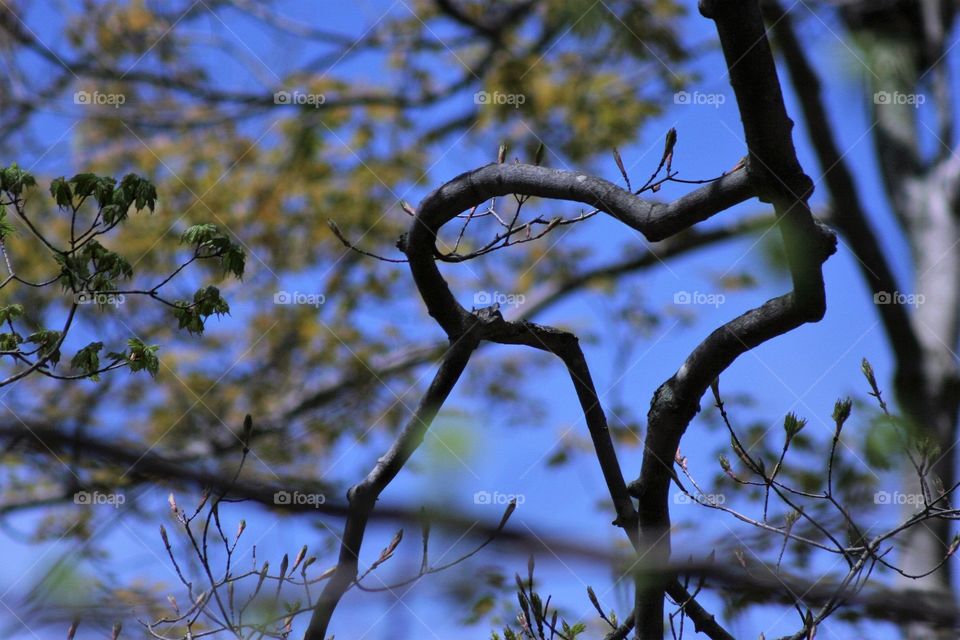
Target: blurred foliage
column 197, row 115
column 322, row 345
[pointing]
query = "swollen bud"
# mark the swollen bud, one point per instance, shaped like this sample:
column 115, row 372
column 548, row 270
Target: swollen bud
column 296, row 561
column 283, row 566
column 263, row 576
column 792, row 425
column 841, row 411
column 593, row 599
column 725, row 464
column 668, row 145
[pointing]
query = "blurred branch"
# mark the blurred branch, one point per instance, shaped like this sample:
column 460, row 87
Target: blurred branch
column 849, row 215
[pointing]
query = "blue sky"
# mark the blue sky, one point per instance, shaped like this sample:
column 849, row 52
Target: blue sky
column 804, row 372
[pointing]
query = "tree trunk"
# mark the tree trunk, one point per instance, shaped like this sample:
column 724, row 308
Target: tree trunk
column 903, row 47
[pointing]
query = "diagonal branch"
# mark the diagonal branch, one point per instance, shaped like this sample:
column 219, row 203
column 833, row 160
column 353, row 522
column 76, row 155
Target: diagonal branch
column 363, row 496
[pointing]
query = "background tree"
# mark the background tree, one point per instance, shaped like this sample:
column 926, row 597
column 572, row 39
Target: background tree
column 903, row 49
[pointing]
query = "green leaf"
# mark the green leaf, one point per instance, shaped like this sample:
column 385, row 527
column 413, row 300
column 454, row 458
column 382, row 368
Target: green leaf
column 188, row 318
column 60, row 191
column 234, row 261
column 87, row 360
column 11, row 312
column 112, row 213
column 209, row 302
column 73, row 270
column 48, row 341
column 206, row 302
column 138, row 191
column 13, row 180
column 84, row 184
column 199, row 233
column 210, row 242
column 117, row 199
column 143, row 357
column 10, row 341
column 103, row 191
column 93, row 268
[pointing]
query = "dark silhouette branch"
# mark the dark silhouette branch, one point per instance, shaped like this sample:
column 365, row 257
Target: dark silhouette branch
column 778, row 178
column 363, row 496
column 655, row 221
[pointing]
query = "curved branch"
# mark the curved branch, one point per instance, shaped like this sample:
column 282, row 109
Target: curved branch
column 772, row 172
column 654, row 220
column 778, row 178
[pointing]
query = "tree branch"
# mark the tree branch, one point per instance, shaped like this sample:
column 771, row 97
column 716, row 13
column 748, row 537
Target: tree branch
column 654, row 220
column 363, row 496
column 778, row 178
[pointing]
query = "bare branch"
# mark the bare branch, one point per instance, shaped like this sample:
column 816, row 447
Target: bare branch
column 363, row 496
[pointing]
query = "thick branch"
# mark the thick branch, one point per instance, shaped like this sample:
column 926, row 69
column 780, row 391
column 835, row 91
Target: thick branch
column 778, row 178
column 654, row 220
